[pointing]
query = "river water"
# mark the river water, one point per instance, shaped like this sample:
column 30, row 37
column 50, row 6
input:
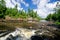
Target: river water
column 19, row 34
column 22, row 34
column 25, row 34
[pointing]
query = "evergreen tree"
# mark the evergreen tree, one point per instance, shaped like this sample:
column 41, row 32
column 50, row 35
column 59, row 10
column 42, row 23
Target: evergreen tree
column 2, row 9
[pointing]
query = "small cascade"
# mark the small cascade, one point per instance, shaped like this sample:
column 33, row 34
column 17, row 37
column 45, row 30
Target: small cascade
column 28, row 34
column 19, row 34
column 25, row 34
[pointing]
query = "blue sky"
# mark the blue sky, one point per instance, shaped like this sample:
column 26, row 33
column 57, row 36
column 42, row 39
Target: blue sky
column 51, row 1
column 43, row 7
column 31, row 5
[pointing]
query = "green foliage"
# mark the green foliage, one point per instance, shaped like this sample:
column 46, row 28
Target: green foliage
column 49, row 17
column 14, row 13
column 58, row 23
column 31, row 13
column 55, row 16
column 2, row 9
column 23, row 14
column 38, row 17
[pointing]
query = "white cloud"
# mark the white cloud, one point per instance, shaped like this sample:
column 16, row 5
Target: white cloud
column 35, row 1
column 22, row 1
column 12, row 3
column 41, row 8
column 44, row 8
column 9, row 4
column 51, row 5
column 26, row 4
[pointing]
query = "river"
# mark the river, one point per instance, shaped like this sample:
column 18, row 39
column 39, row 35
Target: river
column 43, row 33
column 19, row 34
column 24, row 34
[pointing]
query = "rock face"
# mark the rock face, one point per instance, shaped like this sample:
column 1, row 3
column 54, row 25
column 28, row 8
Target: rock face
column 36, row 37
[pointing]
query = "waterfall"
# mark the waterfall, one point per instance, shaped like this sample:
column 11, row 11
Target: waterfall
column 24, row 34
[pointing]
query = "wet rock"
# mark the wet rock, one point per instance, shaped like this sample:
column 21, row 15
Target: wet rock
column 11, row 37
column 49, row 33
column 36, row 37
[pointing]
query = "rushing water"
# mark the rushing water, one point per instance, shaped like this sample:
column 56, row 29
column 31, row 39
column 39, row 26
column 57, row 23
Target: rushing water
column 19, row 34
column 23, row 34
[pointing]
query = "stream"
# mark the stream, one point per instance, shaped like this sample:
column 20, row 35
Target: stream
column 44, row 33
column 24, row 34
column 19, row 34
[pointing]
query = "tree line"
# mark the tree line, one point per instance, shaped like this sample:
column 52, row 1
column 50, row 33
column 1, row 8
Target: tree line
column 15, row 13
column 56, row 15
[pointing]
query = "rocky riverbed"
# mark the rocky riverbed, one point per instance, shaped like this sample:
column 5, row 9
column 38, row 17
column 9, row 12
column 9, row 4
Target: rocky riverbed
column 19, row 34
column 40, row 31
column 30, row 34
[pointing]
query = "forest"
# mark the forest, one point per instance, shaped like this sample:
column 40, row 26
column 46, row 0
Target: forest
column 55, row 16
column 15, row 13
